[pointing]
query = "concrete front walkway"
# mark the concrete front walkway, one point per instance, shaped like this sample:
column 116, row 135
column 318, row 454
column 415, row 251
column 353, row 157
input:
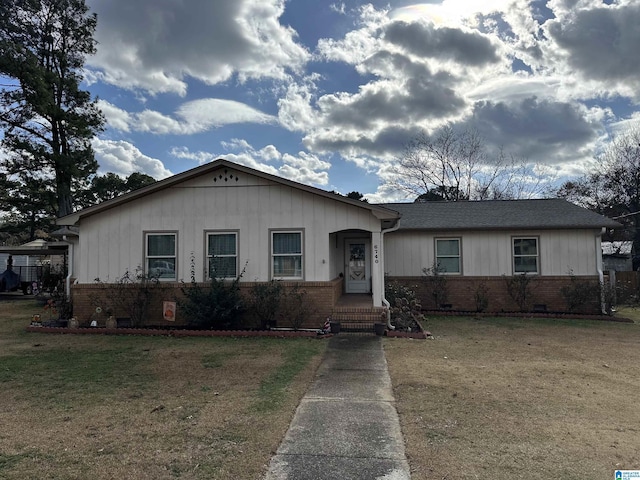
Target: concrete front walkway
column 346, row 426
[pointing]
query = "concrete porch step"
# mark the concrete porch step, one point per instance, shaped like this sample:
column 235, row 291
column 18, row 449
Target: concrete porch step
column 357, row 327
column 357, row 315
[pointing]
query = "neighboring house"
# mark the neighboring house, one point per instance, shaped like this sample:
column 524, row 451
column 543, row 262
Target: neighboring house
column 221, row 218
column 617, row 256
column 30, row 261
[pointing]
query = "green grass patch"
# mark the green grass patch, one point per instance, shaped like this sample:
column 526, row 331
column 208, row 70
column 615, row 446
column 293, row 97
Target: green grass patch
column 295, row 358
column 60, row 375
column 215, row 359
column 8, row 461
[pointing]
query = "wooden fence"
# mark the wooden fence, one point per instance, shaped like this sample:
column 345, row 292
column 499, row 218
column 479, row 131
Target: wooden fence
column 627, row 286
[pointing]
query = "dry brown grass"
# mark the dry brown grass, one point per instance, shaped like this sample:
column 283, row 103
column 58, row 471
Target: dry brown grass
column 527, row 399
column 631, row 312
column 106, row 407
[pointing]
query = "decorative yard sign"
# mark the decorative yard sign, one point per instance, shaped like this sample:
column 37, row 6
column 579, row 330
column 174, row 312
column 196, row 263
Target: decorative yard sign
column 169, row 311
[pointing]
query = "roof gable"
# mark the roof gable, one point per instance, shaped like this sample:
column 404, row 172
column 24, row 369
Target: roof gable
column 221, row 172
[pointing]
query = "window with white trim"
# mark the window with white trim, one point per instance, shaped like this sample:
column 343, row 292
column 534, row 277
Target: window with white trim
column 222, row 254
column 160, row 255
column 448, row 255
column 525, row 255
column 286, row 255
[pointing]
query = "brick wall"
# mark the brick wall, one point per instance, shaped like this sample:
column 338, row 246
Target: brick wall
column 545, row 291
column 320, row 296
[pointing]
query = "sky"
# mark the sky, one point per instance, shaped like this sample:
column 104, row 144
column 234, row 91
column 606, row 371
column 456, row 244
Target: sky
column 330, row 94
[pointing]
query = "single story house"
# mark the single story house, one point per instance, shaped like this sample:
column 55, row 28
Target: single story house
column 222, row 218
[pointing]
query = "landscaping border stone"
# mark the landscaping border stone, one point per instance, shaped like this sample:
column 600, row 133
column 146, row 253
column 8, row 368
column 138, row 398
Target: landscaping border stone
column 174, row 333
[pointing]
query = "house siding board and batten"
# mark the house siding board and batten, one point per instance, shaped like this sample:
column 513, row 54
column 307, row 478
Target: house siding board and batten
column 567, row 236
column 490, row 253
column 113, row 239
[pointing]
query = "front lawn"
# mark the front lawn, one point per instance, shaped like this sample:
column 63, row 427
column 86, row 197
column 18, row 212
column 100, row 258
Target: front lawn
column 103, row 407
column 502, row 399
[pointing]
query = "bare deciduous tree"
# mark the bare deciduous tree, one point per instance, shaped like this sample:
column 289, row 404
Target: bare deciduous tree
column 454, row 165
column 613, row 187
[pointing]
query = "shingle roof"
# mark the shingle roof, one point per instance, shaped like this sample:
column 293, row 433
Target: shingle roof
column 498, row 214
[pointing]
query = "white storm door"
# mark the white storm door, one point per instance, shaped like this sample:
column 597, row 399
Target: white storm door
column 356, row 266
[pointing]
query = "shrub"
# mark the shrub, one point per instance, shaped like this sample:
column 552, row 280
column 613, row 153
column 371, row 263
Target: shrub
column 406, row 310
column 294, row 307
column 608, row 296
column 581, row 295
column 481, row 296
column 217, row 306
column 436, row 285
column 53, row 277
column 265, row 301
column 519, row 289
column 58, row 305
column 131, row 295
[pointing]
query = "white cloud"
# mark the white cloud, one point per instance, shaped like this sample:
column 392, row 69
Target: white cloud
column 598, row 43
column 295, row 110
column 338, row 8
column 186, row 154
column 357, row 44
column 213, row 112
column 116, row 117
column 193, row 117
column 426, row 65
column 155, row 45
column 304, row 167
column 123, row 158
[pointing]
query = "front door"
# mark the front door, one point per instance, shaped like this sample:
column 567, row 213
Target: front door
column 356, row 266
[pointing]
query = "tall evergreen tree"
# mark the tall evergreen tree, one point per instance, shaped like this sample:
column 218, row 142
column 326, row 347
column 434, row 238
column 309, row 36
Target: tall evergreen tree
column 29, row 203
column 48, row 121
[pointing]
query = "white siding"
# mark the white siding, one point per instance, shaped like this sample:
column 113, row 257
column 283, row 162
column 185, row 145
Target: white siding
column 490, row 253
column 112, row 241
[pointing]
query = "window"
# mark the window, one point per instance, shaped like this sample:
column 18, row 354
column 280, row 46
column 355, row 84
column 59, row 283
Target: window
column 160, row 255
column 525, row 255
column 448, row 255
column 286, row 254
column 222, row 254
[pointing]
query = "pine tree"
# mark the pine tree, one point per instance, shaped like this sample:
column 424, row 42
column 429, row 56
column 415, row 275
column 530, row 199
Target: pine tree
column 48, row 121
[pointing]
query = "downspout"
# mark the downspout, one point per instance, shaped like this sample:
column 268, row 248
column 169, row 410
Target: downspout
column 384, row 300
column 67, row 282
column 598, row 238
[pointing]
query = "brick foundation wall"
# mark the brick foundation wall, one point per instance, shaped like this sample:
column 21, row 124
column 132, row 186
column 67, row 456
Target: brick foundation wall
column 545, row 291
column 320, row 296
